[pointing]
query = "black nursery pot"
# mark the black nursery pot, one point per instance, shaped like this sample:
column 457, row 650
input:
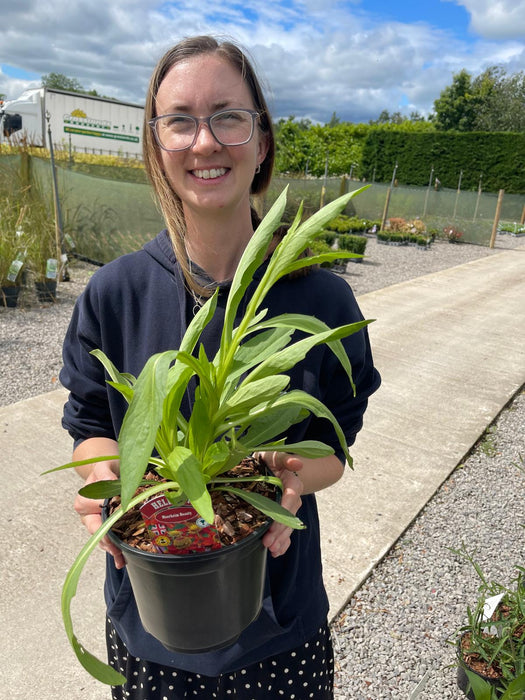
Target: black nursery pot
column 463, row 681
column 46, row 291
column 9, row 296
column 194, row 603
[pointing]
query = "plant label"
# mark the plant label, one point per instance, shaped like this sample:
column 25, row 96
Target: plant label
column 14, row 269
column 178, row 529
column 489, row 608
column 51, row 269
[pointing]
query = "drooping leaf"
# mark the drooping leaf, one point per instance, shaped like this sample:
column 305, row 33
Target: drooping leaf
column 116, row 376
column 288, row 357
column 98, row 669
column 298, row 397
column 267, row 506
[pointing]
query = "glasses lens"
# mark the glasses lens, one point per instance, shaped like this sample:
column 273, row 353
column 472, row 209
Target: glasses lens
column 175, row 131
column 233, row 127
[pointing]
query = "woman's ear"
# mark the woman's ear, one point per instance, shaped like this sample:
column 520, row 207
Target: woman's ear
column 262, row 149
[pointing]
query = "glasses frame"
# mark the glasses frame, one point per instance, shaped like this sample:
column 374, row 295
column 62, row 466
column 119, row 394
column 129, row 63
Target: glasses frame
column 202, row 120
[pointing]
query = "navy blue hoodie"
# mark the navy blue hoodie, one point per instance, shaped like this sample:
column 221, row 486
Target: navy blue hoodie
column 138, row 305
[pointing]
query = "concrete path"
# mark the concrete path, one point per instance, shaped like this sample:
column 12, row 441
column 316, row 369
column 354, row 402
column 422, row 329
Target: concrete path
column 451, row 350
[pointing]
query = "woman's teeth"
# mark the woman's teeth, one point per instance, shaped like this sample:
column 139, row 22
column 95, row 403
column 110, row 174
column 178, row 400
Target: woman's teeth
column 209, row 174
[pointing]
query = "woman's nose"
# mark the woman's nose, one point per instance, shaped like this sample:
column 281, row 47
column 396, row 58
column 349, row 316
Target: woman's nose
column 204, row 139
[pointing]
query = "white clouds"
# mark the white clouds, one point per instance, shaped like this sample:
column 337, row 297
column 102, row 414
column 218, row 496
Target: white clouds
column 316, row 61
column 496, row 19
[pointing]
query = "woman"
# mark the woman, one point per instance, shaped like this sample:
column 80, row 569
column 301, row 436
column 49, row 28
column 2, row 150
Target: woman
column 208, row 146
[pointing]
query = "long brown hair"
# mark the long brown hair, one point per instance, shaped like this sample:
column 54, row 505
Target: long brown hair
column 168, row 200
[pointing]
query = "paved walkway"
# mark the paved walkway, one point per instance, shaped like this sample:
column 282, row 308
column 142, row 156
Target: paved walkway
column 451, row 350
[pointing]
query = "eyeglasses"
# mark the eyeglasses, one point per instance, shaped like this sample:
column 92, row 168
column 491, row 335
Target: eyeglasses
column 178, row 132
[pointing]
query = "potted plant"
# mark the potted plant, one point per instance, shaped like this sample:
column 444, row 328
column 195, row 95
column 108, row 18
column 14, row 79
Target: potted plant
column 241, row 407
column 12, row 239
column 491, row 645
column 42, row 251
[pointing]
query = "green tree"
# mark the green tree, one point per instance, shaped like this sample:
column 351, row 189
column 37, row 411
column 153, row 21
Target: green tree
column 455, row 108
column 501, row 100
column 58, row 81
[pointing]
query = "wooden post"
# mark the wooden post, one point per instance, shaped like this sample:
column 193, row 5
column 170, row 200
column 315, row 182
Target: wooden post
column 385, row 210
column 523, row 216
column 323, row 192
column 25, row 169
column 496, row 219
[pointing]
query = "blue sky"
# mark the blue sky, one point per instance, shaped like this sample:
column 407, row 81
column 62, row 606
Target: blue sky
column 316, row 57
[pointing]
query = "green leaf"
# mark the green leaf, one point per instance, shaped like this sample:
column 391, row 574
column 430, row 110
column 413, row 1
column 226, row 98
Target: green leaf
column 187, row 471
column 481, row 689
column 306, row 448
column 271, row 508
column 262, row 426
column 252, row 258
column 515, row 689
column 101, row 489
column 295, row 242
column 298, row 397
column 255, row 350
column 141, row 422
column 250, row 395
column 291, row 355
column 119, row 379
column 124, row 389
column 81, row 463
column 99, row 670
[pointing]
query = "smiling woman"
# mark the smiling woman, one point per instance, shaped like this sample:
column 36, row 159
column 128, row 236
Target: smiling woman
column 208, row 146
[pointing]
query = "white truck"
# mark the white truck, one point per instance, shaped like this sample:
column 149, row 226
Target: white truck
column 77, row 121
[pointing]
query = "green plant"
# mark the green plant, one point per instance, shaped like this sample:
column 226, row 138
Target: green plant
column 452, row 234
column 39, row 223
column 492, row 642
column 352, row 244
column 241, row 404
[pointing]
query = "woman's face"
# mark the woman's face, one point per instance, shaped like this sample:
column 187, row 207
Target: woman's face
column 208, row 176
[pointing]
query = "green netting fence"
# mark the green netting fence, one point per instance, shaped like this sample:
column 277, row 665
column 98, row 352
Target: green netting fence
column 104, row 217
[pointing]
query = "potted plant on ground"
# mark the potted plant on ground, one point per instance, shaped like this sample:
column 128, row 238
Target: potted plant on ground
column 491, row 645
column 12, row 238
column 43, row 254
column 242, row 406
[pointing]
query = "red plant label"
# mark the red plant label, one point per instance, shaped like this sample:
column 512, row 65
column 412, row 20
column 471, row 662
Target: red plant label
column 178, row 529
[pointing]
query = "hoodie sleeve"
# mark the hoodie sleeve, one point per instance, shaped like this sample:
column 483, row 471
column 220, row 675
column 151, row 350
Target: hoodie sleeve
column 87, row 411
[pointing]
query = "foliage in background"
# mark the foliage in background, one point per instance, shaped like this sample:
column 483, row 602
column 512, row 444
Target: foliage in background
column 492, row 101
column 499, row 157
column 27, row 224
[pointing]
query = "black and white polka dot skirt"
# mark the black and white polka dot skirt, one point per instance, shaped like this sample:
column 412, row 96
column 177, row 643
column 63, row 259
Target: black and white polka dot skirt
column 303, row 673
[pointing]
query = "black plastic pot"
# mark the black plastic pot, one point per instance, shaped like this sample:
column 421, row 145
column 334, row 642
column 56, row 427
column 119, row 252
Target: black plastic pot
column 9, row 296
column 46, row 291
column 463, row 681
column 194, row 603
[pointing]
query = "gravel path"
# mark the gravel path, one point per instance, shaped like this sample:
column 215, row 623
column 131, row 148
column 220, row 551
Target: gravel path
column 391, row 638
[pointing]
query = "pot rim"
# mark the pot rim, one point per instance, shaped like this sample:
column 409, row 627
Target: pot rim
column 161, row 556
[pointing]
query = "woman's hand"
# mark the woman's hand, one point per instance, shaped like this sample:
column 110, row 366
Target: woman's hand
column 286, row 468
column 299, row 476
column 89, row 509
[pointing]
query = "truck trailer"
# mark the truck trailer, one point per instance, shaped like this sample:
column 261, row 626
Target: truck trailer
column 77, row 122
